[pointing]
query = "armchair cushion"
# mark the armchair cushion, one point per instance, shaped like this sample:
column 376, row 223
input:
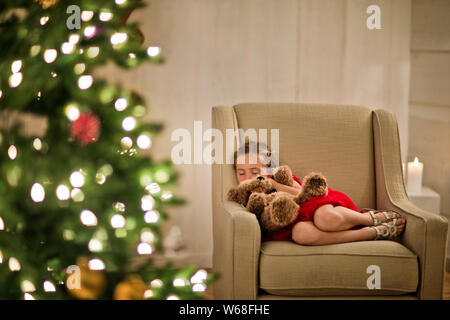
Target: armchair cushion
column 290, row 269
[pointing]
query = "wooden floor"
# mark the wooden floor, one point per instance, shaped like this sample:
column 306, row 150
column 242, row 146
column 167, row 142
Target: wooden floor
column 209, row 293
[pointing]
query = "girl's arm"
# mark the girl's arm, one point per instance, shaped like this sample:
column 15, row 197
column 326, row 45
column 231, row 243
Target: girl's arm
column 281, row 187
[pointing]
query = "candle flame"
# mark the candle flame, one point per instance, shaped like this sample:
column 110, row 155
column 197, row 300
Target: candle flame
column 416, row 161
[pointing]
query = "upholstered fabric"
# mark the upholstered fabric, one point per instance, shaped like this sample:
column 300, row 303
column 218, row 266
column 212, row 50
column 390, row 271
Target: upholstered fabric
column 290, row 269
column 359, row 152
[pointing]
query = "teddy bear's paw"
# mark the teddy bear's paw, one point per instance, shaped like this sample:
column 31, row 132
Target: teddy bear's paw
column 283, row 175
column 284, row 211
column 256, row 203
column 315, row 184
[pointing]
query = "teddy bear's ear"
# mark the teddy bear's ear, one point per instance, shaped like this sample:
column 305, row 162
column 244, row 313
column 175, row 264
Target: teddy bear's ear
column 283, row 175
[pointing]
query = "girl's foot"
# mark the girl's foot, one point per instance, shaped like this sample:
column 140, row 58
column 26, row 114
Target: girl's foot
column 379, row 216
column 388, row 230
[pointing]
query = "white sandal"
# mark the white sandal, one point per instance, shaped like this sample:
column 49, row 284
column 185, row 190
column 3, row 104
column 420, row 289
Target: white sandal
column 388, row 233
column 377, row 222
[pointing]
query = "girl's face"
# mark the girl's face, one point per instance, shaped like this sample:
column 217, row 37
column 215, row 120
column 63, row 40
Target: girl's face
column 245, row 171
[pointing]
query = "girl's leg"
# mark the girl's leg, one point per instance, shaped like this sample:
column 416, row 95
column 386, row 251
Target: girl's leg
column 330, row 218
column 306, row 233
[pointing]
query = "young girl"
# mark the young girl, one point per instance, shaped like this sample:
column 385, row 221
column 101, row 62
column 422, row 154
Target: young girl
column 329, row 219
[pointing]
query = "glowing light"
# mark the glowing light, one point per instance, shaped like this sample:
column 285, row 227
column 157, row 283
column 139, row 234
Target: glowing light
column 1, row 93
column 178, row 282
column 14, row 264
column 77, row 179
column 153, row 51
column 37, row 144
column 119, row 207
column 15, row 79
column 2, row 224
column 156, row 283
column 68, row 234
column 95, row 245
column 50, row 55
column 34, row 50
column 199, row 276
column 172, row 297
column 28, row 296
column 87, row 15
column 132, row 55
column 147, row 202
column 72, row 112
column 118, row 38
column 166, row 195
column 198, row 287
column 148, row 294
column 96, row 264
column 100, row 178
column 77, row 195
column 49, row 286
column 43, row 20
column 144, row 248
column 153, row 188
column 147, row 236
column 67, row 47
column 27, row 286
column 85, row 82
column 119, row 2
column 144, row 141
column 105, row 16
column 92, row 52
column 88, row 218
column 74, row 38
column 79, row 68
column 37, row 192
column 151, row 217
column 89, row 32
column 1, row 257
column 129, row 123
column 62, row 192
column 117, row 221
column 16, row 66
column 12, row 152
column 162, row 176
column 121, row 104
column 126, row 142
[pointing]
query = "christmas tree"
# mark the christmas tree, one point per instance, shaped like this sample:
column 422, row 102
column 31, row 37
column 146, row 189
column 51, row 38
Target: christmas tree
column 81, row 201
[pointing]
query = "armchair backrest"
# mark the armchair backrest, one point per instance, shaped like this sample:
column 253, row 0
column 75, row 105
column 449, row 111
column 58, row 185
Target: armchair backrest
column 336, row 140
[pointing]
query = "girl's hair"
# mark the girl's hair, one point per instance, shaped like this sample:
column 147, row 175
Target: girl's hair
column 261, row 149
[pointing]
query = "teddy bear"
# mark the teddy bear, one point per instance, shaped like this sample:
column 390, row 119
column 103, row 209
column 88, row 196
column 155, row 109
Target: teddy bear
column 275, row 210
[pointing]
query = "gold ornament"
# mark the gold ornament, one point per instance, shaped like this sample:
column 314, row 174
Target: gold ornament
column 46, row 3
column 133, row 288
column 92, row 282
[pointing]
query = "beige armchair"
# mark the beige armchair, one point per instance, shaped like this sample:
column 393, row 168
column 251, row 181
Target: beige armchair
column 358, row 151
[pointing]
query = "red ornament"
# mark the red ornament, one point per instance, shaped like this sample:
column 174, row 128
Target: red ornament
column 86, row 128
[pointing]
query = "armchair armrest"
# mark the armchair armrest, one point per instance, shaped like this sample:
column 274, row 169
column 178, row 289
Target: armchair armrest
column 237, row 242
column 425, row 233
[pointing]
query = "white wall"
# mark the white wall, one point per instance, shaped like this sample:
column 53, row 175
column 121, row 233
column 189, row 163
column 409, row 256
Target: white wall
column 223, row 52
column 429, row 132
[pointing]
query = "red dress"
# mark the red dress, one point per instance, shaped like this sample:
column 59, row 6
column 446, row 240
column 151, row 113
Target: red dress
column 306, row 212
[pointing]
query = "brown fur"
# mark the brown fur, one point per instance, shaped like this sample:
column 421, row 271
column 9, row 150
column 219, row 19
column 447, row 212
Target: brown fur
column 276, row 210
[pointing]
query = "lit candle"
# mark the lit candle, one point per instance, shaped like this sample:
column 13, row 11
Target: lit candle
column 415, row 171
